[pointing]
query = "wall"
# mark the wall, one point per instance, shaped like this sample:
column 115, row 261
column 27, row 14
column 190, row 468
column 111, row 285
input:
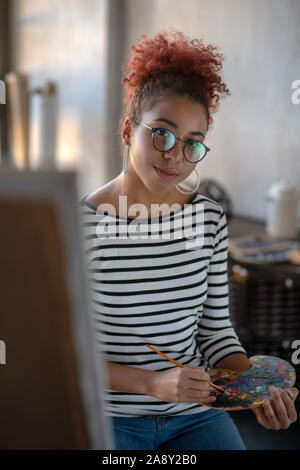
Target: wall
column 255, row 136
column 81, row 44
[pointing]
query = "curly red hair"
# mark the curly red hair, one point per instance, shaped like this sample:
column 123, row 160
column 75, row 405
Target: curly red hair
column 171, row 63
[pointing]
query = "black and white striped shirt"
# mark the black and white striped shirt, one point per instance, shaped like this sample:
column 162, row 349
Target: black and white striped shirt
column 157, row 291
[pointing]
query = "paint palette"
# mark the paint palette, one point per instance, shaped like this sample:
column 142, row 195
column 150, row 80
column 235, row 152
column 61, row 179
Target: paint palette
column 248, row 388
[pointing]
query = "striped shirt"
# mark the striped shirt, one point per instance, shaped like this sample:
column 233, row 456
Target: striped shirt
column 154, row 290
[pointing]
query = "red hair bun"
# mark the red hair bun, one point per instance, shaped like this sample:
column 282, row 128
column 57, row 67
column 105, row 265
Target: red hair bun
column 172, row 63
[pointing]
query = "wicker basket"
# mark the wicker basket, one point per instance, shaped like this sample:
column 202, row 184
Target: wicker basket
column 265, row 310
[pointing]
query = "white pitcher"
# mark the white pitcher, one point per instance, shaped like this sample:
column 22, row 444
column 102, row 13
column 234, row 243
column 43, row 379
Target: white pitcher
column 282, row 210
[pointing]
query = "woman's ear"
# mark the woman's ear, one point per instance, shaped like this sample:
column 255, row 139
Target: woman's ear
column 126, row 131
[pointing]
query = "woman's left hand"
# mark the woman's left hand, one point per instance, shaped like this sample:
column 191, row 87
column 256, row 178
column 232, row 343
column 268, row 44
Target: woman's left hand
column 280, row 412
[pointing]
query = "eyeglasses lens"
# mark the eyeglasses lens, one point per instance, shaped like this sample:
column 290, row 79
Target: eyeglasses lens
column 164, row 140
column 195, row 151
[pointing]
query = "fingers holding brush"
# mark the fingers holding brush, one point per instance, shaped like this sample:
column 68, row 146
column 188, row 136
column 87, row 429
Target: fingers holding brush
column 182, row 384
column 198, row 385
column 181, row 365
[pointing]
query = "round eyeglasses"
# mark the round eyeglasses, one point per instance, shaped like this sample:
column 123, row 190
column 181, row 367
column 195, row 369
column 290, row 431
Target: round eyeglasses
column 164, row 140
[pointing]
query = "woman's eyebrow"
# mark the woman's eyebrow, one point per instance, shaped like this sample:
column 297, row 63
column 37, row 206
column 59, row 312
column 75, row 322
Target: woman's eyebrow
column 171, row 123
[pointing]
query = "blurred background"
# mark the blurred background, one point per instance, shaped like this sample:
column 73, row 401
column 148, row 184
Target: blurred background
column 80, row 45
column 61, row 61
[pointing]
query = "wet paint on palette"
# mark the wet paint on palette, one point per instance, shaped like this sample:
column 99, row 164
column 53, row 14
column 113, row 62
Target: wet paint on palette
column 247, row 389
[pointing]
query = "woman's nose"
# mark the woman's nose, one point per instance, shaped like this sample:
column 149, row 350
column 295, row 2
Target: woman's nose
column 175, row 152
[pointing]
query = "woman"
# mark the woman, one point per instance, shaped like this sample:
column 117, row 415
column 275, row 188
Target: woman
column 154, row 289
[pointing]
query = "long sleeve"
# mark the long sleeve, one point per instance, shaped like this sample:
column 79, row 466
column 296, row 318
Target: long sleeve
column 217, row 339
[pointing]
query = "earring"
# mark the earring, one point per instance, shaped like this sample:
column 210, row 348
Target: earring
column 194, row 190
column 126, row 158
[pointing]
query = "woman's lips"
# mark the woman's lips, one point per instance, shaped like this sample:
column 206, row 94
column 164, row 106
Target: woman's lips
column 165, row 175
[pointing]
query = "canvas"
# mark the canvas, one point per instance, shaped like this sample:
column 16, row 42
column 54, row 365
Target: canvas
column 51, row 379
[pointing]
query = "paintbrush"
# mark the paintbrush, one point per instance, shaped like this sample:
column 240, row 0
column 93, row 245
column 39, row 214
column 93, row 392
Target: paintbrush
column 181, row 365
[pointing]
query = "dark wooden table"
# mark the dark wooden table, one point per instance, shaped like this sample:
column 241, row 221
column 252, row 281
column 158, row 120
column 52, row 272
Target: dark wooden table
column 240, row 226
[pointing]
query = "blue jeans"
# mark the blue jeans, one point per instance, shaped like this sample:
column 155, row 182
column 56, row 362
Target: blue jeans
column 208, row 430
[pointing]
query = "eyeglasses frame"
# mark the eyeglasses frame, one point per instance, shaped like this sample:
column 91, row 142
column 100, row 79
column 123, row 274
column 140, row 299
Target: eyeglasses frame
column 153, row 129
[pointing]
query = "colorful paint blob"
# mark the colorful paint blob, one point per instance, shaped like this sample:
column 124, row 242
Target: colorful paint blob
column 248, row 388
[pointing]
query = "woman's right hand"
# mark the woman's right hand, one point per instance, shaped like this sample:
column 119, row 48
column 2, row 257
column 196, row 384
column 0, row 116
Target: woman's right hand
column 182, row 384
